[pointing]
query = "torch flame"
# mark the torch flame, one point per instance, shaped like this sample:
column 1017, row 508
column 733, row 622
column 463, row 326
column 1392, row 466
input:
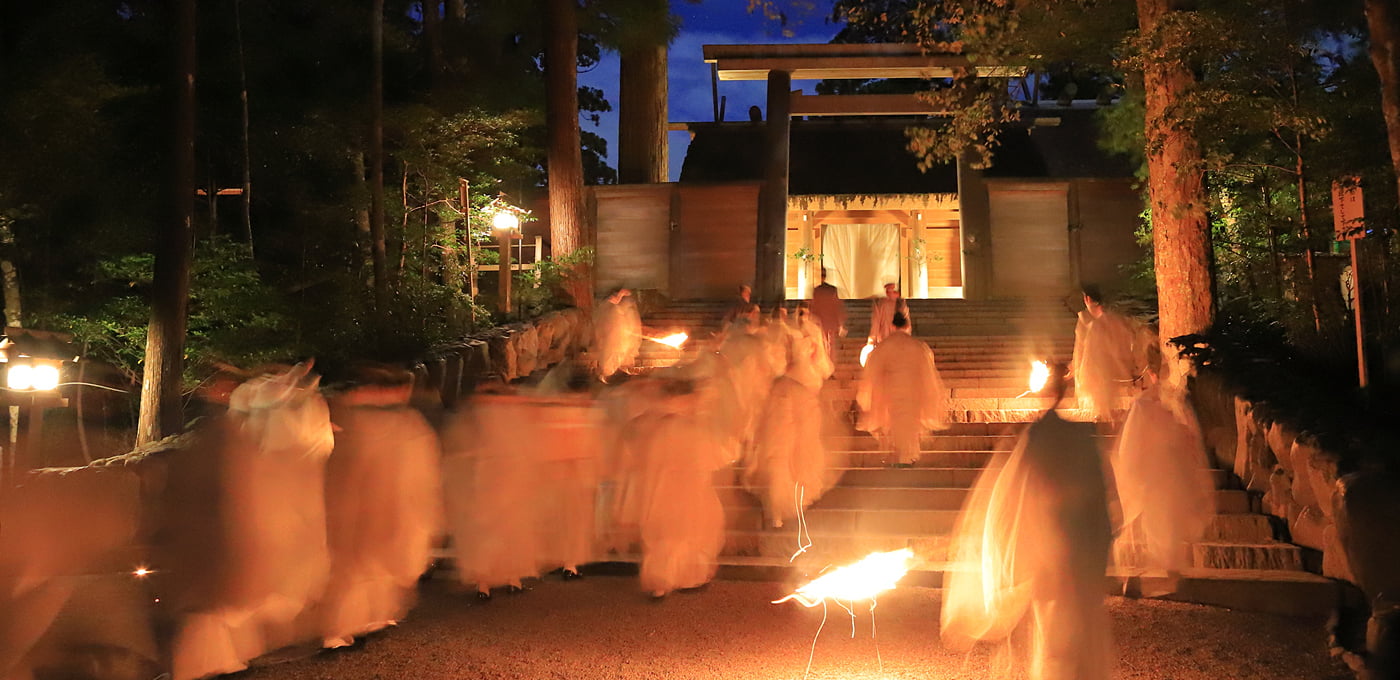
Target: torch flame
column 865, row 351
column 1040, row 374
column 673, row 340
column 141, row 572
column 874, row 574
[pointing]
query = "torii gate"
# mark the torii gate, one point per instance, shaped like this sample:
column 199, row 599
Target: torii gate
column 782, row 64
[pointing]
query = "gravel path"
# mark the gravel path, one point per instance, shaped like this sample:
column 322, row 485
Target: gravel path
column 604, row 627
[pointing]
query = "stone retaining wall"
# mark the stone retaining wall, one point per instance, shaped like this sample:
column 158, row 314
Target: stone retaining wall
column 507, row 352
column 1337, row 491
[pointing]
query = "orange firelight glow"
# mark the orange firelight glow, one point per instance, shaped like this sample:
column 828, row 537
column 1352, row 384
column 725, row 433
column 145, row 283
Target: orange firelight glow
column 1040, row 374
column 865, row 351
column 872, row 575
column 141, row 572
column 673, row 340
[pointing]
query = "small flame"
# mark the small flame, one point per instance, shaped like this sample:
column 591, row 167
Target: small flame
column 141, row 572
column 673, row 340
column 865, row 351
column 874, row 574
column 1040, row 374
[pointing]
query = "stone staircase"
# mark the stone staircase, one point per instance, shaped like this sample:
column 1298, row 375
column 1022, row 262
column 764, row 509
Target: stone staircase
column 983, row 350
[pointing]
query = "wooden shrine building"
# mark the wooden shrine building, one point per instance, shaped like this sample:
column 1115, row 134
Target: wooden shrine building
column 828, row 180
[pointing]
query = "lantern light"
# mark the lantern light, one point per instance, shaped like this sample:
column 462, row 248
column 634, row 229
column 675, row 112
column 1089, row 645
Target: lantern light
column 20, row 377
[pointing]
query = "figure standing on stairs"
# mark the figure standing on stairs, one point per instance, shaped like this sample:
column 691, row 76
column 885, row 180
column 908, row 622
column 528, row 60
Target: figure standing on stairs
column 901, row 394
column 1164, row 483
column 883, row 311
column 830, row 313
column 617, row 333
column 1104, row 366
column 788, row 468
column 1030, row 552
column 739, row 307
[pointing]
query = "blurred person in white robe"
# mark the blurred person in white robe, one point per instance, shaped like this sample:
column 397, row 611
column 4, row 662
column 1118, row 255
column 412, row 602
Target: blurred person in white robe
column 570, row 436
column 1164, row 484
column 716, row 398
column 1029, row 554
column 617, row 333
column 812, row 363
column 883, row 311
column 777, row 336
column 620, row 515
column 750, row 362
column 901, row 395
column 270, row 559
column 678, row 509
column 789, row 468
column 383, row 505
column 490, row 481
column 1104, row 366
column 739, row 306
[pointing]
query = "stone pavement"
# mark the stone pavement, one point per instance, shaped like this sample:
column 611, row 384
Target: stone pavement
column 604, row 627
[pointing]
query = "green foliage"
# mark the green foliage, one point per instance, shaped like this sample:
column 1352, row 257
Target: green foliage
column 545, row 286
column 234, row 317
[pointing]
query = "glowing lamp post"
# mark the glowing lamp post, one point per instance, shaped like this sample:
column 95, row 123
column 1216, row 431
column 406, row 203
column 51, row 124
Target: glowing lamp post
column 31, row 362
column 505, row 221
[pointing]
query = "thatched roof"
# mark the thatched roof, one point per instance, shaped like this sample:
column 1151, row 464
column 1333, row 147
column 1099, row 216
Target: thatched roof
column 870, row 155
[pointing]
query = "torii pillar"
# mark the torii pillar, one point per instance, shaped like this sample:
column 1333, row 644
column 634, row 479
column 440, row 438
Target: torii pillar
column 773, row 198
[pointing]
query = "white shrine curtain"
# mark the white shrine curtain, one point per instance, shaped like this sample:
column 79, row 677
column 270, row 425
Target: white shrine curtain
column 861, row 258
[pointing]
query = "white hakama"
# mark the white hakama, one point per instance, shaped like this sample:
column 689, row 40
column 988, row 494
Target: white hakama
column 901, row 395
column 384, row 511
column 789, row 468
column 1164, row 484
column 569, row 438
column 490, row 477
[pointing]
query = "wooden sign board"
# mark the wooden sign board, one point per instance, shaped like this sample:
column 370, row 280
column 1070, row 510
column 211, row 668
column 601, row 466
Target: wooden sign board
column 1348, row 212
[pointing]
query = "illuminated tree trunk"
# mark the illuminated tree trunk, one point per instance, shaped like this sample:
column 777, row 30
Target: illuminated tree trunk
column 1383, row 23
column 1180, row 228
column 378, row 253
column 161, row 410
column 567, row 231
column 641, row 135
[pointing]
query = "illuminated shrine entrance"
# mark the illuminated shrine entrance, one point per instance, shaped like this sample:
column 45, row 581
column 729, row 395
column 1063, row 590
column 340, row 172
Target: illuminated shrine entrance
column 864, row 242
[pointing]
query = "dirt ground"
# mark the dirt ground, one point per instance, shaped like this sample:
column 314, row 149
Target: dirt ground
column 604, row 627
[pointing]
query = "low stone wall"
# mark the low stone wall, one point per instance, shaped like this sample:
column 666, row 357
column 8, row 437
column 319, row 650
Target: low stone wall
column 1333, row 484
column 507, row 353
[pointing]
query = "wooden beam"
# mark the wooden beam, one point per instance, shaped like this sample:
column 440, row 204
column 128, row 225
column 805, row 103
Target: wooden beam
column 859, row 68
column 862, row 105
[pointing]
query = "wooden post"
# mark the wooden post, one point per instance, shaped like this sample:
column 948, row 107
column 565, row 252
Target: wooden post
column 773, row 199
column 504, row 267
column 1360, row 317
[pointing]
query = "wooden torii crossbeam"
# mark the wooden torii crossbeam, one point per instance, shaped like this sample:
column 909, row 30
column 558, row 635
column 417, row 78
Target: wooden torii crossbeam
column 847, row 62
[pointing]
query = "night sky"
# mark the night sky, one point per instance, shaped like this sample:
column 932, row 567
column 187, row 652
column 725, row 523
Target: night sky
column 708, row 23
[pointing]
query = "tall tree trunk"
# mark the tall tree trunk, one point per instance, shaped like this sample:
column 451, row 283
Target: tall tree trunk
column 1383, row 23
column 376, row 165
column 1180, row 228
column 642, row 118
column 457, row 9
column 566, row 210
column 161, row 410
column 363, row 232
column 9, row 275
column 247, row 142
column 432, row 34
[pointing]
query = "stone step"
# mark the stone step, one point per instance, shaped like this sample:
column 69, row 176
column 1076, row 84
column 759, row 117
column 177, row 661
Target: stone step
column 738, row 500
column 1264, row 555
column 941, row 478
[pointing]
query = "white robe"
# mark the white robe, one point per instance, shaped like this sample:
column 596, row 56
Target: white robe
column 811, row 362
column 751, row 368
column 675, row 504
column 901, row 394
column 1034, row 539
column 1164, row 484
column 383, row 512
column 789, row 469
column 569, row 437
column 271, row 536
column 882, row 311
column 490, row 472
column 1103, row 365
column 617, row 335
